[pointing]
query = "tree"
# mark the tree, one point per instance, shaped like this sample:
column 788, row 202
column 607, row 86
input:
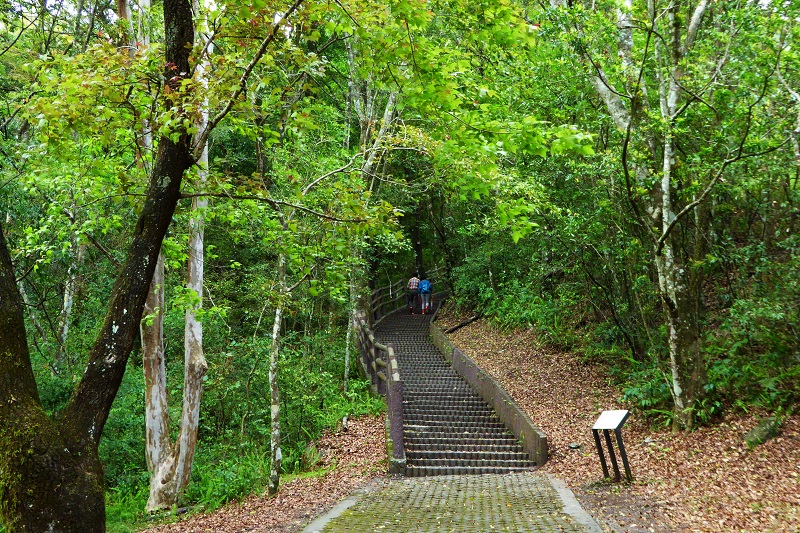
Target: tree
column 667, row 80
column 170, row 464
column 53, row 479
column 57, row 457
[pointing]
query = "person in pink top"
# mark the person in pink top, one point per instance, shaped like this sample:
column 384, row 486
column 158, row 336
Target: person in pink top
column 413, row 285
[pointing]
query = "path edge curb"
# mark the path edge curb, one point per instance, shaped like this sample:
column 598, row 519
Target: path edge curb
column 319, row 523
column 572, row 507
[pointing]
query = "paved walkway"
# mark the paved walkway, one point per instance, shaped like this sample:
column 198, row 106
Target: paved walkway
column 516, row 502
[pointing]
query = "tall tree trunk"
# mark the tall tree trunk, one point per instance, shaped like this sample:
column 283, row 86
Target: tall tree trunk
column 354, row 278
column 31, row 310
column 171, row 473
column 416, row 240
column 158, row 445
column 143, row 33
column 52, row 478
column 126, row 26
column 677, row 282
column 195, row 361
column 69, row 299
column 348, row 337
column 276, row 455
column 159, row 451
column 675, row 274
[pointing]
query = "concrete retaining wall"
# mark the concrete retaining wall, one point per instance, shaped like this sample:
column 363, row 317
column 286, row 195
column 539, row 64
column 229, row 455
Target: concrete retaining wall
column 532, row 439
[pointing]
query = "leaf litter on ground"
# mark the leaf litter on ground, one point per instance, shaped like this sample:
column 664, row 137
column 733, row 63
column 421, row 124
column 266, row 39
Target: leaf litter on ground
column 703, row 481
column 707, row 480
column 348, row 460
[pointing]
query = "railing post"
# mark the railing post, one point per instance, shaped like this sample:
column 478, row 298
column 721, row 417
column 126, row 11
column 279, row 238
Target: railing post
column 374, row 366
column 394, row 402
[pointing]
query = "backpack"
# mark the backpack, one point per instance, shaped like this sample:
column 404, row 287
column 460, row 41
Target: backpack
column 425, row 286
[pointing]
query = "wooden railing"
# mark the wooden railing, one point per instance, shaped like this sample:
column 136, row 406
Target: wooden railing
column 380, row 364
column 391, row 298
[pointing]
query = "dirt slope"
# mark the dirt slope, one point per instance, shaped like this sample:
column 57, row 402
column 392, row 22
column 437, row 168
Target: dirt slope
column 707, row 480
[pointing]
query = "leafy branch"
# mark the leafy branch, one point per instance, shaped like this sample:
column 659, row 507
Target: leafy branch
column 275, row 203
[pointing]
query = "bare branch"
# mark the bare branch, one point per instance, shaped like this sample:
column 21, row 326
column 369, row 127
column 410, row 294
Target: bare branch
column 331, row 173
column 12, row 43
column 299, row 282
column 739, row 157
column 275, row 203
column 628, row 182
column 387, row 120
column 346, row 12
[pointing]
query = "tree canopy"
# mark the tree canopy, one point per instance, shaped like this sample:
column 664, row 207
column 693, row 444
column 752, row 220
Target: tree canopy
column 621, row 176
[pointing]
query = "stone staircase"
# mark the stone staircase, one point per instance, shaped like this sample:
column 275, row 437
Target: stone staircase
column 448, row 428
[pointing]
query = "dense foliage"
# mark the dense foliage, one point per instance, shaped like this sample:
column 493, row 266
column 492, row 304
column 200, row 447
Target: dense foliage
column 585, row 277
column 377, row 138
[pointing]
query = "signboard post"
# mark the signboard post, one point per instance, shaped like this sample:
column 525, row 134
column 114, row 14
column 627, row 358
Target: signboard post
column 607, row 422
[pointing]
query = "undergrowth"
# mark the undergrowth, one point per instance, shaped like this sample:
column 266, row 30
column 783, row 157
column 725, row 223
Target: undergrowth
column 751, row 352
column 227, row 470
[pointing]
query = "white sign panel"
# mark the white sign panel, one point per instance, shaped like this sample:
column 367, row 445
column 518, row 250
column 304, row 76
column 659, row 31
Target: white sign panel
column 611, row 419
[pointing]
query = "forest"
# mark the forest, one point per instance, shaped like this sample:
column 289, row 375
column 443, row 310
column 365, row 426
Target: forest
column 195, row 197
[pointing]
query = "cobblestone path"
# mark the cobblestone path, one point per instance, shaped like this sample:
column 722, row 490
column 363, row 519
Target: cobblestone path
column 517, row 502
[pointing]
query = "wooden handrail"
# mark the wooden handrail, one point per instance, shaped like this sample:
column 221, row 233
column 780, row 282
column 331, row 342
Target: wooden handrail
column 380, row 363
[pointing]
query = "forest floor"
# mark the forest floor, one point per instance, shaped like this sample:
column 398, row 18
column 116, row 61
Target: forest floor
column 704, row 481
column 348, row 460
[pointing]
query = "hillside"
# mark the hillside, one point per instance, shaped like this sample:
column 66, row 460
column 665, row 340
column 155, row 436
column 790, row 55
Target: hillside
column 706, row 480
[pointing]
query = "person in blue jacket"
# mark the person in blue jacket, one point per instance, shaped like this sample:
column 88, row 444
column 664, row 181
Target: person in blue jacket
column 425, row 289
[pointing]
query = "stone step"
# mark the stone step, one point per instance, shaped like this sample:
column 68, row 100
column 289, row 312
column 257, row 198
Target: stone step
column 420, row 471
column 455, row 433
column 447, row 408
column 430, row 377
column 442, row 395
column 432, row 410
column 437, row 391
column 490, row 421
column 454, row 403
column 420, row 440
column 500, row 463
column 458, row 446
column 416, row 457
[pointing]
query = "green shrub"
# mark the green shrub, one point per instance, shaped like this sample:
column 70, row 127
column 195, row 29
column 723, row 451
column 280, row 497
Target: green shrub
column 646, row 387
column 224, row 472
column 755, row 352
column 125, row 509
